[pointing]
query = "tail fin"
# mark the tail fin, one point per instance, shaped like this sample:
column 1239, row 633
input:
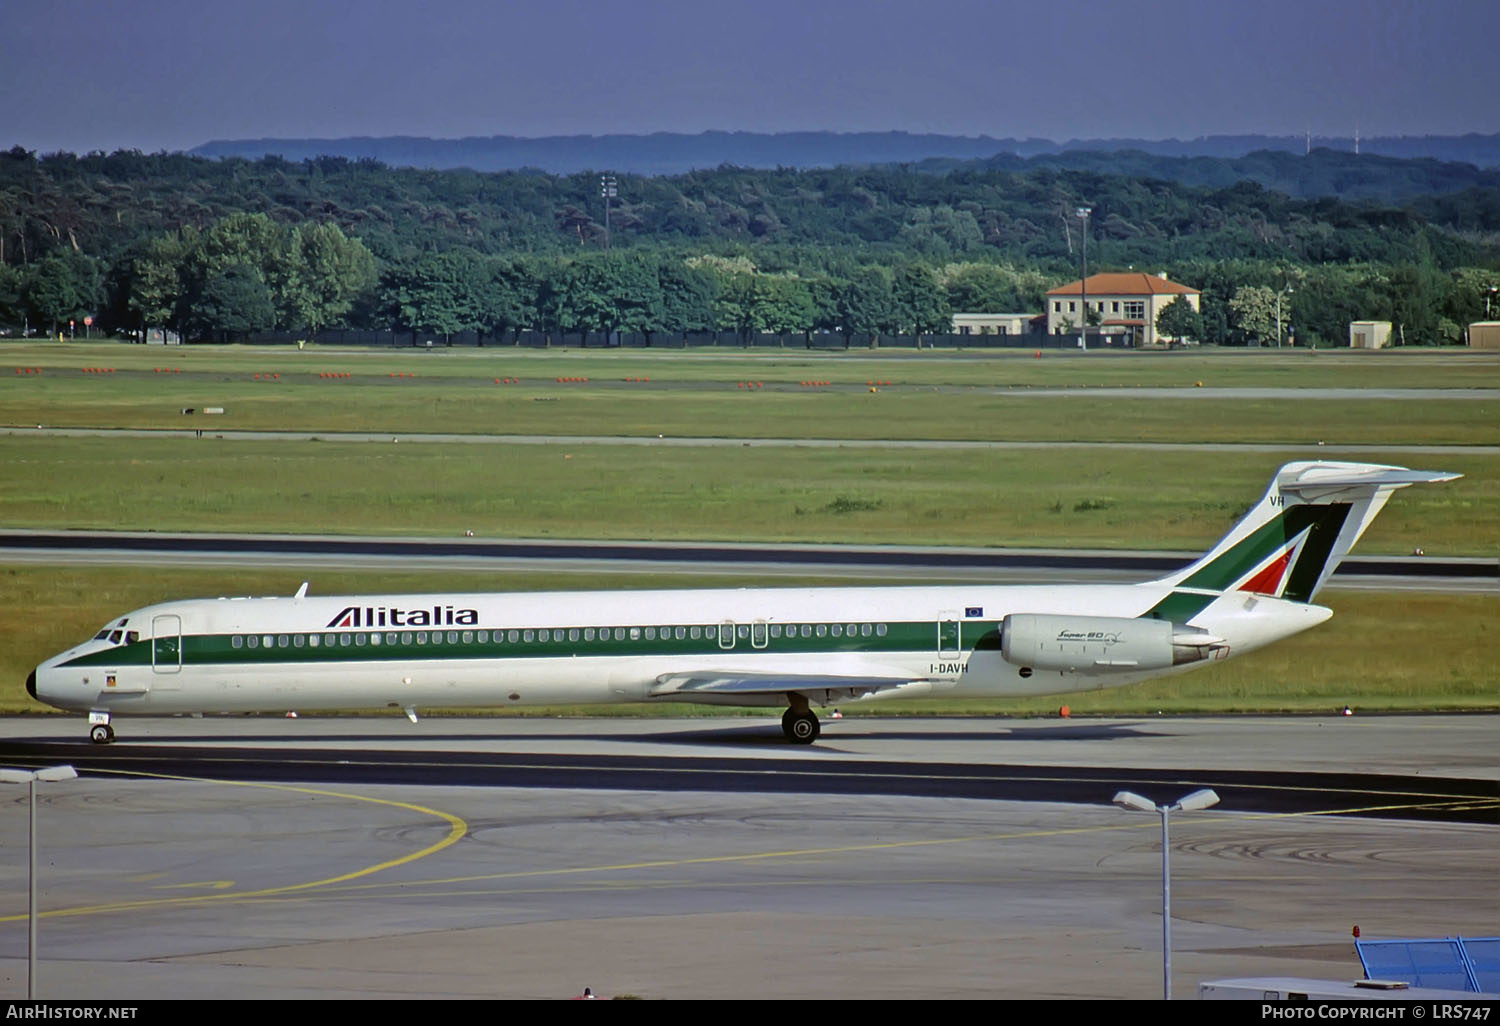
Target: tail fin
column 1289, row 543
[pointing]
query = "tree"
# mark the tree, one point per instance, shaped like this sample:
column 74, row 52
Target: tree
column 155, row 288
column 329, row 273
column 232, row 304
column 980, row 288
column 256, row 242
column 64, row 287
column 508, row 296
column 782, row 305
column 1178, row 320
column 1253, row 309
column 688, row 295
column 1413, row 295
column 868, row 306
column 12, row 310
column 439, row 293
column 920, row 306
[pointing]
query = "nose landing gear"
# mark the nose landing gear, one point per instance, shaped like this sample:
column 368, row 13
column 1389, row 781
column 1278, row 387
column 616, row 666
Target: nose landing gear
column 100, row 732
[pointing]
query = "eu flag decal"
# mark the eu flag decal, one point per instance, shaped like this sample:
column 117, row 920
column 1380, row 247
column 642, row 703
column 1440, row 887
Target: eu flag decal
column 974, row 611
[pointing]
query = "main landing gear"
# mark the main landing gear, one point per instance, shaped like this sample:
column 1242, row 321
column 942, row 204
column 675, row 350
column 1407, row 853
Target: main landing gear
column 799, row 723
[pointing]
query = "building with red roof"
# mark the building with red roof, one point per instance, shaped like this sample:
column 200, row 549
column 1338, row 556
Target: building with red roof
column 1126, row 306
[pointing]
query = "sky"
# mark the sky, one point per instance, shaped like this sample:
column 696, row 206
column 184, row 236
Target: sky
column 83, row 75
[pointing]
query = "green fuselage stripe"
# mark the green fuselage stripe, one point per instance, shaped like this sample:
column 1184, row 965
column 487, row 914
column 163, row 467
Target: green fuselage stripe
column 394, row 646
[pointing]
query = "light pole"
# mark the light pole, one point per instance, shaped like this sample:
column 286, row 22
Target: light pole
column 609, row 189
column 1188, row 803
column 1082, row 213
column 1487, row 297
column 30, row 777
column 1284, row 292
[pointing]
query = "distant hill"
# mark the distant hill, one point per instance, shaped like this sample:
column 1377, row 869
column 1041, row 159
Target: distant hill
column 1321, row 173
column 667, row 153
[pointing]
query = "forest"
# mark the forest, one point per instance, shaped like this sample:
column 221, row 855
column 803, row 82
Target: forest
column 224, row 249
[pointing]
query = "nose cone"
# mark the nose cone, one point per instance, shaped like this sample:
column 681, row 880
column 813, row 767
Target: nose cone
column 31, row 683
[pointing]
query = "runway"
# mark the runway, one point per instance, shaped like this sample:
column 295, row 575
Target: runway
column 681, row 858
column 1310, row 449
column 882, row 561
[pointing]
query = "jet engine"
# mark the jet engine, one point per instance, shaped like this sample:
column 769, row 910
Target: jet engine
column 1099, row 644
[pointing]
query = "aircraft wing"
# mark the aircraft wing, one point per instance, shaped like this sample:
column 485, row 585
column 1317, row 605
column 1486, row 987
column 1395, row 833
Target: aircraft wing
column 731, row 682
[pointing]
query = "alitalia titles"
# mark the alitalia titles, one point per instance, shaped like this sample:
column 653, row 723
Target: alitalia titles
column 390, row 616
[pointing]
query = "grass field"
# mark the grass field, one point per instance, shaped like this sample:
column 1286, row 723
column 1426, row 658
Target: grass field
column 1180, row 500
column 937, row 396
column 1378, row 652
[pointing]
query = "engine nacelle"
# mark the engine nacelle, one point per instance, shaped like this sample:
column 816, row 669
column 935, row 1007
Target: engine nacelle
column 1087, row 644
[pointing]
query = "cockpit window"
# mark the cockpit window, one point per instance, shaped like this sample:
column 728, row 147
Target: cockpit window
column 102, row 635
column 114, row 637
column 131, row 637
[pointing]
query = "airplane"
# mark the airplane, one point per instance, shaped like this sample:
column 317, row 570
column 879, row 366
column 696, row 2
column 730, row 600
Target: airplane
column 796, row 647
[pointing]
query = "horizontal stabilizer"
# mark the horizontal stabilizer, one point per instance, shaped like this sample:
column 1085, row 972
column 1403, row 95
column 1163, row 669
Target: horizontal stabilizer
column 1323, row 481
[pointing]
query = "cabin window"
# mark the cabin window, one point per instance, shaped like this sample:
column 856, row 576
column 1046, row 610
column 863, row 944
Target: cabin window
column 619, row 633
column 528, row 636
column 468, row 637
column 253, row 641
column 406, row 637
column 544, row 635
column 880, row 629
column 421, row 637
column 453, row 637
column 299, row 640
column 484, row 637
column 359, row 640
column 283, row 642
column 695, row 633
column 314, row 640
column 821, row 630
column 375, row 639
column 236, row 642
column 806, row 630
column 512, row 636
column 726, row 634
column 588, row 634
column 650, row 633
column 635, row 634
column 329, row 640
column 573, row 633
column 838, row 630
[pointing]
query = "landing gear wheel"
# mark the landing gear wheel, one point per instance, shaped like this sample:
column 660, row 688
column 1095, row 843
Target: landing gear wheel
column 800, row 728
column 101, row 733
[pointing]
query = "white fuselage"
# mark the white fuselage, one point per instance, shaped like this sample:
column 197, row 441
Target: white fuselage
column 498, row 649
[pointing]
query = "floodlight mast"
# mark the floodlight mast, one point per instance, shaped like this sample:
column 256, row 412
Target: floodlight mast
column 1200, row 799
column 49, row 774
column 609, row 188
column 1083, row 331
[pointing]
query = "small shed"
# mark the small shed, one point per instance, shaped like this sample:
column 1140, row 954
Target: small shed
column 1369, row 334
column 1484, row 335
